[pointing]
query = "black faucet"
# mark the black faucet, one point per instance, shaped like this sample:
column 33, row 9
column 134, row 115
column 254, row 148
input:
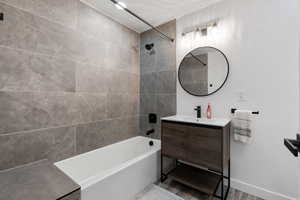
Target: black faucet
column 198, row 109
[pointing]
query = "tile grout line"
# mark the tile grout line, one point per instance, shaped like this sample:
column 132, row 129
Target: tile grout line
column 28, row 52
column 157, row 93
column 75, row 140
column 156, row 72
column 24, row 165
column 66, row 92
column 66, row 126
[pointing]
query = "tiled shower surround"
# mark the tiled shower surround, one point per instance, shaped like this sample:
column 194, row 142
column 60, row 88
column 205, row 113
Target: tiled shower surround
column 158, row 77
column 69, row 81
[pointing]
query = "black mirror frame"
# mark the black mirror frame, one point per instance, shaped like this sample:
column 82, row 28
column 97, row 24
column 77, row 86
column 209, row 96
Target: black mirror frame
column 227, row 75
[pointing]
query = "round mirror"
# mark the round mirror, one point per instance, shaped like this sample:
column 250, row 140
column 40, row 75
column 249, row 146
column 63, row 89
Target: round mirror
column 203, row 71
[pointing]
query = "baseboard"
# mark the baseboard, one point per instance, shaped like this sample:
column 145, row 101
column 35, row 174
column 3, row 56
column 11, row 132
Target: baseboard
column 258, row 191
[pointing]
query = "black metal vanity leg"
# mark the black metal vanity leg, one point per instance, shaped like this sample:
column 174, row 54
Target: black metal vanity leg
column 163, row 178
column 161, row 168
column 222, row 163
column 228, row 188
column 229, row 174
column 222, row 189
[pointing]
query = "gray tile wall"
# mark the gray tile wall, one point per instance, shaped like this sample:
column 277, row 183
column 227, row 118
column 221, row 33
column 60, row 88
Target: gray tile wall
column 158, row 77
column 69, row 81
column 37, row 181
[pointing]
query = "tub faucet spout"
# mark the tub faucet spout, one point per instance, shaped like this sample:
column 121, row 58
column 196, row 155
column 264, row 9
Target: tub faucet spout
column 149, row 132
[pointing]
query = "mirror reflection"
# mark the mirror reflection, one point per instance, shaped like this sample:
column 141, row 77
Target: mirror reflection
column 203, row 71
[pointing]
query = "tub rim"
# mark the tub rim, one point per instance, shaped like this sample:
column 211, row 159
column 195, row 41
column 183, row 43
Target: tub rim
column 99, row 176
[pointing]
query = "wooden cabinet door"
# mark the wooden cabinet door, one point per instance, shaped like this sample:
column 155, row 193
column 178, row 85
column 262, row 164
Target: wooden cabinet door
column 204, row 147
column 173, row 140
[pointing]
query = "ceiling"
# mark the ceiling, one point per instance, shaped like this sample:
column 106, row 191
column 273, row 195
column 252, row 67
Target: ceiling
column 156, row 12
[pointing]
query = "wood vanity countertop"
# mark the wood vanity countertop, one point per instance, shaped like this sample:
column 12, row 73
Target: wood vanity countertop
column 38, row 181
column 217, row 122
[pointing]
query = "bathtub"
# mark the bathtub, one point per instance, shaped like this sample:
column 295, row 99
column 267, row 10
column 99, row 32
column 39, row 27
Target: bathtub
column 115, row 172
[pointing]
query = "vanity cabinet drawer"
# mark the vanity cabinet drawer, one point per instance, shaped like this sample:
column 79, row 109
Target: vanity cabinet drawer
column 173, row 140
column 199, row 145
column 204, row 147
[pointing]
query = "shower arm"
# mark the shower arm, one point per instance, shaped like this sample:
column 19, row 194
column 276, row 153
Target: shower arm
column 195, row 57
column 144, row 21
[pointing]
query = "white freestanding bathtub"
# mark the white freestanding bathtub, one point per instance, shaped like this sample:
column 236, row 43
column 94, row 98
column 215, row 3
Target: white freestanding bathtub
column 115, row 172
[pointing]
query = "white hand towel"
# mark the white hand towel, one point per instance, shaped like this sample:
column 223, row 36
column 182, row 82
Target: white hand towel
column 241, row 126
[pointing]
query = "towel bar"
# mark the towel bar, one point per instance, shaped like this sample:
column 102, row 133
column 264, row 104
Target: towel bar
column 254, row 112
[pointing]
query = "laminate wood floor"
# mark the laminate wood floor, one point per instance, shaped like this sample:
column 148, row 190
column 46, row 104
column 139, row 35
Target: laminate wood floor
column 187, row 193
column 155, row 192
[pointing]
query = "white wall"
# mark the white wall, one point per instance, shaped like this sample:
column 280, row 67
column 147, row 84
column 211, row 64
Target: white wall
column 299, row 102
column 259, row 38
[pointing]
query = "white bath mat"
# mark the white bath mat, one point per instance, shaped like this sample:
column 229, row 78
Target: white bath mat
column 154, row 192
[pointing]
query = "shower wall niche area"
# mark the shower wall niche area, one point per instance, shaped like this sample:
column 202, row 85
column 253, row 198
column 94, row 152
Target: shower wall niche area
column 158, row 76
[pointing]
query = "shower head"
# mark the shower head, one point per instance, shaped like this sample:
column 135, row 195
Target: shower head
column 149, row 47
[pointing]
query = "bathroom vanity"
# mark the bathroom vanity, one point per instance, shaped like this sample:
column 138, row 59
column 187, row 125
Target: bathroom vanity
column 201, row 148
